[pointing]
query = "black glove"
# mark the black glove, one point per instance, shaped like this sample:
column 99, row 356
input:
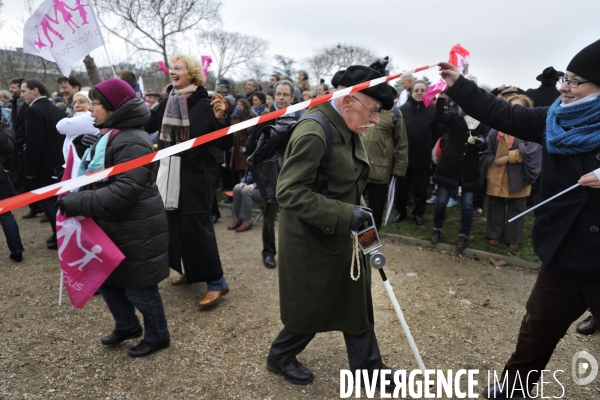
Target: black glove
column 89, row 139
column 360, row 215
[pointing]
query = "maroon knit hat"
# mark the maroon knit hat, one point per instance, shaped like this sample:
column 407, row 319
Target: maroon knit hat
column 116, row 91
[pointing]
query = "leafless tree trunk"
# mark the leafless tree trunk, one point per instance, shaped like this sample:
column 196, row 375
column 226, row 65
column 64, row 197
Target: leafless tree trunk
column 157, row 26
column 230, row 50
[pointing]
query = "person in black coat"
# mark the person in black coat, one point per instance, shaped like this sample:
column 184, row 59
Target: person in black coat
column 128, row 208
column 191, row 232
column 422, row 131
column 546, row 93
column 566, row 230
column 43, row 146
column 458, row 166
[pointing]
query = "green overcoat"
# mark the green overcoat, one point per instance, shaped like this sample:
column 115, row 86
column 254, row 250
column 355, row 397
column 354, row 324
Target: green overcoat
column 387, row 148
column 315, row 244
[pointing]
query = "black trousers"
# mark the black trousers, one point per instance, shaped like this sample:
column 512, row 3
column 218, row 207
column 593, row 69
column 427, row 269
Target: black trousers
column 46, row 205
column 268, row 232
column 555, row 302
column 418, row 177
column 363, row 350
column 377, row 193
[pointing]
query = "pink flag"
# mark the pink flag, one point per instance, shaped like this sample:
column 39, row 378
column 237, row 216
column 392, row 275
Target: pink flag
column 459, row 57
column 206, row 61
column 87, row 256
column 433, row 91
column 63, row 31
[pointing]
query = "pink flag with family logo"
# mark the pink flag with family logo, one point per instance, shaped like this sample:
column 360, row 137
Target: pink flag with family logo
column 63, row 31
column 87, row 256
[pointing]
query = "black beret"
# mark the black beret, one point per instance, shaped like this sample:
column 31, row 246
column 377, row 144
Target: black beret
column 586, row 62
column 356, row 74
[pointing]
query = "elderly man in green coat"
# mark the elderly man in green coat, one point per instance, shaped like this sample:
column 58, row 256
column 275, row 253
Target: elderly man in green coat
column 318, row 291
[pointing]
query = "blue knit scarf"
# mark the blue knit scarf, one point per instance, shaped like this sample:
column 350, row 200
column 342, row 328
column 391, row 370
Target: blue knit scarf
column 574, row 129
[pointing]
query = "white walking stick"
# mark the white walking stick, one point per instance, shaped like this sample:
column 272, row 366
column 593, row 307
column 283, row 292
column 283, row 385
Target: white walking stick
column 369, row 242
column 596, row 172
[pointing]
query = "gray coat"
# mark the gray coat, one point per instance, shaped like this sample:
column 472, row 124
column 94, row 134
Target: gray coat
column 127, row 206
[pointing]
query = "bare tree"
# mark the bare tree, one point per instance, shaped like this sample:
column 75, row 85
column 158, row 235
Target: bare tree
column 1, row 5
column 258, row 70
column 230, row 50
column 285, row 66
column 329, row 60
column 156, row 26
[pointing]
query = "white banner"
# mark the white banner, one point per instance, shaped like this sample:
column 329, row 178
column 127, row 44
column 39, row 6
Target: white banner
column 64, row 31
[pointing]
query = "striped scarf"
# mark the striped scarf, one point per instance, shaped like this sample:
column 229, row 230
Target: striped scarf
column 176, row 121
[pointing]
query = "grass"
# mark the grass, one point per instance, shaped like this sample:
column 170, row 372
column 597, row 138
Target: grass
column 477, row 239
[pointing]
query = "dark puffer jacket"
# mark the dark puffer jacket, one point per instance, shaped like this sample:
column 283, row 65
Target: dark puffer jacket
column 127, row 206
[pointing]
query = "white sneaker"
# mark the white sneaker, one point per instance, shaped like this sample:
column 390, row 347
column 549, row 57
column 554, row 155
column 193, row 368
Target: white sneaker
column 431, row 200
column 452, row 202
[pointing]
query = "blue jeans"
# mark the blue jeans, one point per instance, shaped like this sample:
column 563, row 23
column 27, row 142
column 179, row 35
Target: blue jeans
column 466, row 202
column 122, row 303
column 219, row 284
column 8, row 222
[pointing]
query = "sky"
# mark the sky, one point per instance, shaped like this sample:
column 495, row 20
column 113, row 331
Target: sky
column 510, row 41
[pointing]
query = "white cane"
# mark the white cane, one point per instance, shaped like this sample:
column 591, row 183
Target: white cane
column 369, row 242
column 596, row 172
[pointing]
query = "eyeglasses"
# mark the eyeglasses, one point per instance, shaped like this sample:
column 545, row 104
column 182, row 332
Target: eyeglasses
column 177, row 69
column 96, row 104
column 82, row 102
column 574, row 83
column 379, row 107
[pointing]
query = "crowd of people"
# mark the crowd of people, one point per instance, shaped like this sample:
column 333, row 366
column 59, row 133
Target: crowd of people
column 470, row 143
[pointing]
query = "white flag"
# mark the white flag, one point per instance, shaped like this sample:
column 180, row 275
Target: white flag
column 64, row 31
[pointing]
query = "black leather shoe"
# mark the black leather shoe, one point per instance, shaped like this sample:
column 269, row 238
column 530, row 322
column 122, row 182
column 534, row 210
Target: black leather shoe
column 121, row 335
column 435, row 236
column 419, row 219
column 144, row 348
column 461, row 244
column 389, row 376
column 30, row 214
column 587, row 326
column 16, row 257
column 494, row 392
column 399, row 218
column 269, row 262
column 51, row 242
column 293, row 372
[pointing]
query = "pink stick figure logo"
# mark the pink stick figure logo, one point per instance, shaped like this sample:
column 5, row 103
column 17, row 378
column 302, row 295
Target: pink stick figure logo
column 50, row 25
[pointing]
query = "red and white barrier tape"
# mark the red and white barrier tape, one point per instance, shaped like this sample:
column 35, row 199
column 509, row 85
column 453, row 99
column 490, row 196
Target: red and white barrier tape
column 63, row 187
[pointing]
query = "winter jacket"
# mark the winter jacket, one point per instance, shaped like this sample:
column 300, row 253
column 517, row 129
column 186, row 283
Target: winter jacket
column 315, row 246
column 422, row 131
column 459, row 163
column 387, row 148
column 127, row 206
column 567, row 229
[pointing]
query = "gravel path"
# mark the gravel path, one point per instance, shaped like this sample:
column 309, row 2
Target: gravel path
column 463, row 313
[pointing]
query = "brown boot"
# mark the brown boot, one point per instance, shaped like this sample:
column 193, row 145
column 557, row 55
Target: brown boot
column 587, row 326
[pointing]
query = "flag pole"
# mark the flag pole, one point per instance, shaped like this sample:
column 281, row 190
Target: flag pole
column 109, row 61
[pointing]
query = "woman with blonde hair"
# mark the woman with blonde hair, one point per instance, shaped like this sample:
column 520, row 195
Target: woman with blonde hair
column 187, row 113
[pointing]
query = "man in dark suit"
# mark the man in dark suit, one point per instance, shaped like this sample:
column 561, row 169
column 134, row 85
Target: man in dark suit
column 546, row 93
column 43, row 146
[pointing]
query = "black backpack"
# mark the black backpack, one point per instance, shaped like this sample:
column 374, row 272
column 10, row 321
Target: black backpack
column 267, row 160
